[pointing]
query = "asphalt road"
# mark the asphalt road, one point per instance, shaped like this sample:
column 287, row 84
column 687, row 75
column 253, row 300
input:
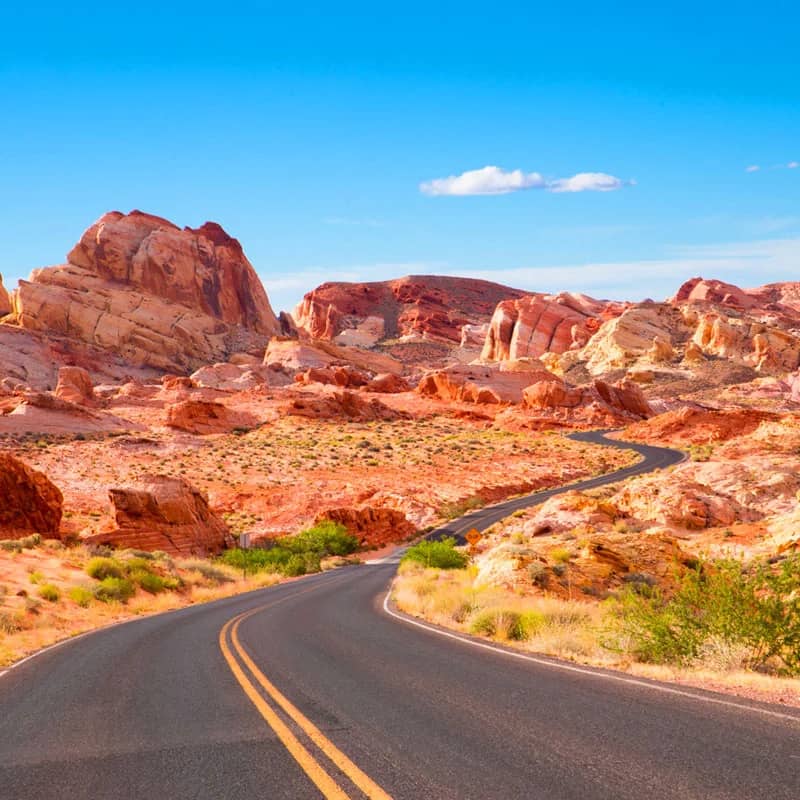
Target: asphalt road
column 311, row 689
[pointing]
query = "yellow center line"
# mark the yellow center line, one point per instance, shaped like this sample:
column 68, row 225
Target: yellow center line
column 315, row 771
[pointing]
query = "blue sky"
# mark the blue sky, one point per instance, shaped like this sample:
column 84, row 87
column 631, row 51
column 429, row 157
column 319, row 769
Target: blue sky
column 308, row 135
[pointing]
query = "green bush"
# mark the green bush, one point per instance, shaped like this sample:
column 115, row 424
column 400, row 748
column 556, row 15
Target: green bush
column 49, row 592
column 756, row 609
column 149, row 581
column 326, row 538
column 507, row 623
column 81, row 596
column 441, row 554
column 111, row 588
column 101, row 567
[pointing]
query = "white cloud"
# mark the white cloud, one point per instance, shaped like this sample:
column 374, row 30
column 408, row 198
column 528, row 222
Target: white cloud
column 752, row 168
column 588, row 182
column 492, row 180
column 489, row 180
column 793, row 165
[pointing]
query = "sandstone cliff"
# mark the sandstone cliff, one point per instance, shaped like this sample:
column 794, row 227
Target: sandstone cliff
column 421, row 306
column 159, row 296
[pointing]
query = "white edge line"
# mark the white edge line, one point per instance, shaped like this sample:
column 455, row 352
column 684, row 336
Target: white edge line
column 582, row 670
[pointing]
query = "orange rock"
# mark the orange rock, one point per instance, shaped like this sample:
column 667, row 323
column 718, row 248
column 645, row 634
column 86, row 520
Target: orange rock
column 345, row 377
column 166, row 514
column 477, row 384
column 5, row 299
column 387, row 383
column 153, row 294
column 205, row 417
column 29, row 501
column 374, row 527
column 335, row 404
column 536, row 324
column 74, row 385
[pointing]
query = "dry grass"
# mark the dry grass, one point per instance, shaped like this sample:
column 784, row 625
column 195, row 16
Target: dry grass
column 29, row 623
column 568, row 629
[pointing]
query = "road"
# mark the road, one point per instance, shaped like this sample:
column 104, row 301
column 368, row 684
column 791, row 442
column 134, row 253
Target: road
column 310, row 689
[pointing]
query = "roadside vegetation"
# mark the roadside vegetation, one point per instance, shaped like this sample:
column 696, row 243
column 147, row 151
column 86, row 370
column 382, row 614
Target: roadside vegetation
column 720, row 617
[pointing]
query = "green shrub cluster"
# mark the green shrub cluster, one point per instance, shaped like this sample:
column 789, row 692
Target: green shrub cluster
column 118, row 579
column 295, row 555
column 507, row 623
column 755, row 609
column 441, row 554
column 25, row 543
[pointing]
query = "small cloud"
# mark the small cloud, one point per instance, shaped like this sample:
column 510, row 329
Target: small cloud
column 492, row 180
column 489, row 180
column 793, row 165
column 588, row 182
column 752, row 168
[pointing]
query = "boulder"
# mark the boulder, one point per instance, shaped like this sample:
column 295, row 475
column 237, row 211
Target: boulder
column 292, row 356
column 75, row 385
column 166, row 514
column 29, row 501
column 231, row 377
column 204, row 417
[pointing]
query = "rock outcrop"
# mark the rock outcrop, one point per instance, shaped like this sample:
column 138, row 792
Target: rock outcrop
column 152, row 293
column 5, row 299
column 291, row 356
column 74, row 385
column 530, row 326
column 623, row 399
column 166, row 514
column 204, row 417
column 482, row 384
column 329, row 403
column 423, row 306
column 29, row 501
column 374, row 527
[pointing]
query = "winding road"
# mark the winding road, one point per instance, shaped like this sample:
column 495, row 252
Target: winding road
column 316, row 688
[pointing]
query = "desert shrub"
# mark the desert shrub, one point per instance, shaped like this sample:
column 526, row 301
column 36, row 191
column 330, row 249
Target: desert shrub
column 35, row 577
column 506, row 623
column 49, row 592
column 81, row 596
column 208, row 570
column 294, row 566
column 257, row 559
column 10, row 545
column 29, row 542
column 101, row 567
column 111, row 588
column 11, row 623
column 149, row 581
column 723, row 607
column 326, row 538
column 441, row 554
column 141, row 554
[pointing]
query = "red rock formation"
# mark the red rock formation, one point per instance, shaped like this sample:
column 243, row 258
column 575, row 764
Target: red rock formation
column 151, row 293
column 429, row 306
column 620, row 400
column 374, row 527
column 333, row 404
column 205, row 417
column 346, row 377
column 386, row 383
column 166, row 514
column 476, row 384
column 29, row 501
column 74, row 385
column 5, row 299
column 699, row 290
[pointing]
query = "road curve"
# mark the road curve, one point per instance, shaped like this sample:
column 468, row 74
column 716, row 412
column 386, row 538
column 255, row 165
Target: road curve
column 309, row 689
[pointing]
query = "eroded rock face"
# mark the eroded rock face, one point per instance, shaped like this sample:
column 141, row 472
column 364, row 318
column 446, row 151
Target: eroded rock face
column 291, row 356
column 620, row 400
column 335, row 404
column 5, row 299
column 205, row 417
column 536, row 324
column 372, row 526
column 481, row 384
column 152, row 293
column 74, row 385
column 166, row 514
column 425, row 306
column 29, row 501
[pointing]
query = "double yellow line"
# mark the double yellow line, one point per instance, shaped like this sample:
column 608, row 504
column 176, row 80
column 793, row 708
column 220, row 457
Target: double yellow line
column 310, row 765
